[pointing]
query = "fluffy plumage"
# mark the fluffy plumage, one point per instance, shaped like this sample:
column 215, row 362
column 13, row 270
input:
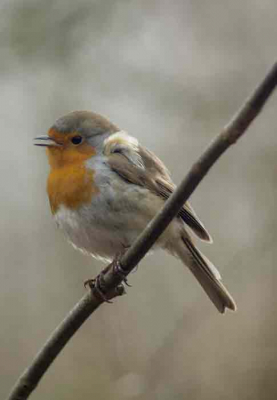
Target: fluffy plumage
column 123, row 187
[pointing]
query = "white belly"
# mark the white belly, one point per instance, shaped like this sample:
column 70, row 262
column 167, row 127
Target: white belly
column 109, row 224
column 87, row 236
column 113, row 219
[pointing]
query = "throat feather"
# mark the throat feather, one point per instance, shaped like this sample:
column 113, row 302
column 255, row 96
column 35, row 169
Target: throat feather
column 71, row 186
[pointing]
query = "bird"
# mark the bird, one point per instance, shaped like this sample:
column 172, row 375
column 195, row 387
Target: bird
column 104, row 188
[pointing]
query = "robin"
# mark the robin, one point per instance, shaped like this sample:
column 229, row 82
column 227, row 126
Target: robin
column 104, row 188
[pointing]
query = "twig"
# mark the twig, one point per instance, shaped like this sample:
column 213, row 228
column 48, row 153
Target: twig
column 111, row 280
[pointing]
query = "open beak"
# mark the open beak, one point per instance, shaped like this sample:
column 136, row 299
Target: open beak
column 46, row 141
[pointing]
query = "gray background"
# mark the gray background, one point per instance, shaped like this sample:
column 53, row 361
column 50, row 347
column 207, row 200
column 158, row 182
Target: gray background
column 171, row 73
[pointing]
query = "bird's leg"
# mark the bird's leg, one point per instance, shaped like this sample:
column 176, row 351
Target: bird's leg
column 98, row 286
column 117, row 269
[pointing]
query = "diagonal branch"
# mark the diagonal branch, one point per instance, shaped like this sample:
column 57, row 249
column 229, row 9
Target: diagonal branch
column 111, row 280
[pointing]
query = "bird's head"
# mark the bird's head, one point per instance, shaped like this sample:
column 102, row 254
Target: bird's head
column 75, row 137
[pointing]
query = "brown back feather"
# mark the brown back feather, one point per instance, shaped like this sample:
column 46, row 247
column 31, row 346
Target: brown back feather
column 156, row 178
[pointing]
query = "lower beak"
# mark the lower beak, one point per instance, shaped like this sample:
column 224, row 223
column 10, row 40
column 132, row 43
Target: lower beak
column 46, row 141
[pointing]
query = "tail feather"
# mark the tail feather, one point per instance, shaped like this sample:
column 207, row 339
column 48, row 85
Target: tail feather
column 206, row 274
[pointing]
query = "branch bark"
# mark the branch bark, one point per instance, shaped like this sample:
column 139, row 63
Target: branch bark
column 111, row 281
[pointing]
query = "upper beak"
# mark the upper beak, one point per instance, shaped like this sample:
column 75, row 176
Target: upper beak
column 46, row 141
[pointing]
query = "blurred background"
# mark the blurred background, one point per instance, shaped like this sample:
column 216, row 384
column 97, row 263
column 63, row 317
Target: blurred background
column 172, row 74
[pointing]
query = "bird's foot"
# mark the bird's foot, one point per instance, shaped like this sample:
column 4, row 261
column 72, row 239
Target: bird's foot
column 97, row 285
column 118, row 270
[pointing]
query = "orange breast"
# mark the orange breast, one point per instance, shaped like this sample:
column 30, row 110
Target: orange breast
column 70, row 182
column 71, row 186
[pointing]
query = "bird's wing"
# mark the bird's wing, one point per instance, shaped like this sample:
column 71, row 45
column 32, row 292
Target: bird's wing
column 188, row 215
column 139, row 166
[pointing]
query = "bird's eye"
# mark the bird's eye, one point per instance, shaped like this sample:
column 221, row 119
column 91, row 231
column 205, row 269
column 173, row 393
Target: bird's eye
column 76, row 140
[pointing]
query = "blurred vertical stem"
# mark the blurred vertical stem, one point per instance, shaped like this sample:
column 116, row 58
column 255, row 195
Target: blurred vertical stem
column 90, row 302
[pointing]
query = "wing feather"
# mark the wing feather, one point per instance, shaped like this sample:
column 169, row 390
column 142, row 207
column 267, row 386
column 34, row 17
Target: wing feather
column 139, row 166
